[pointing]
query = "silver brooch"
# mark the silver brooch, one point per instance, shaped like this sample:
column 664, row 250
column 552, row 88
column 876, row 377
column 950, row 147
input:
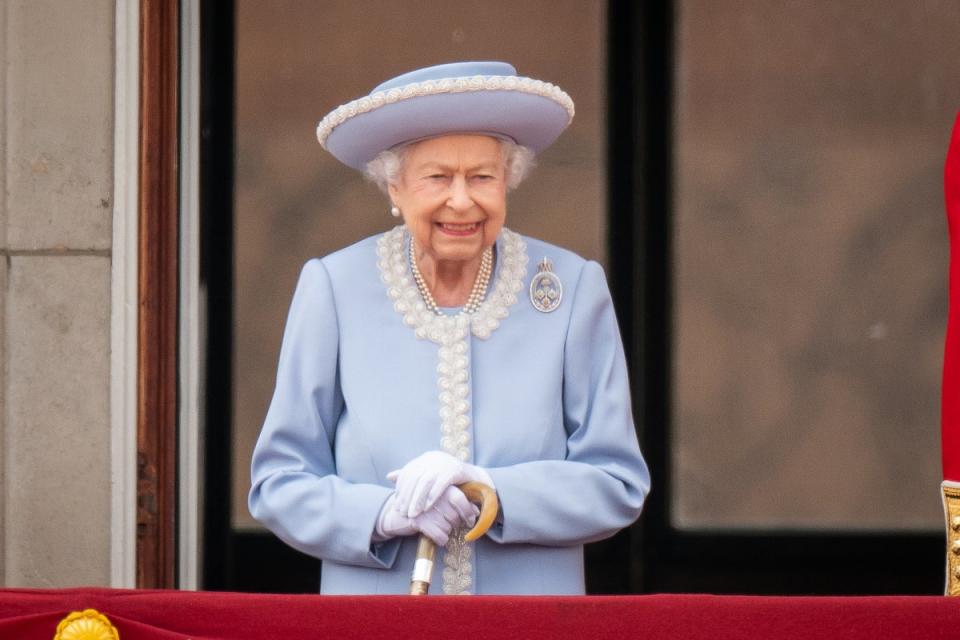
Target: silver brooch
column 545, row 288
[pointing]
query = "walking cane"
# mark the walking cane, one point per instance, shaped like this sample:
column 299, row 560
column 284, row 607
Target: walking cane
column 477, row 493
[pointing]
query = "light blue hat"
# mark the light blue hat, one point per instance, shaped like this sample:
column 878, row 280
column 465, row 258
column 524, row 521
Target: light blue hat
column 460, row 97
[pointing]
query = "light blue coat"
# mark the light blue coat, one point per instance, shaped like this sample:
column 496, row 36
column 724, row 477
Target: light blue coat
column 356, row 397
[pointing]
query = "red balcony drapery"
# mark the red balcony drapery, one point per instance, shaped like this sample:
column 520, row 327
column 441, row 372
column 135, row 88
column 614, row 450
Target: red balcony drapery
column 26, row 614
column 951, row 358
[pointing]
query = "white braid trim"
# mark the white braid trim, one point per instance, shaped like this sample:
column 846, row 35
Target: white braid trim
column 434, row 87
column 451, row 332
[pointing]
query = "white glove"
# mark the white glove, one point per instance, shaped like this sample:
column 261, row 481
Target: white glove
column 450, row 511
column 422, row 481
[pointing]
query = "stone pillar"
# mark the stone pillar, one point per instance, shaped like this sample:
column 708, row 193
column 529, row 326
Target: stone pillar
column 56, row 89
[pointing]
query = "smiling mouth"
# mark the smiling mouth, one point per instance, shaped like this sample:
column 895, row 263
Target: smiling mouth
column 458, row 229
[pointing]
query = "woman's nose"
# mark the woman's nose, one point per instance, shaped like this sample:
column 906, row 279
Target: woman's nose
column 459, row 199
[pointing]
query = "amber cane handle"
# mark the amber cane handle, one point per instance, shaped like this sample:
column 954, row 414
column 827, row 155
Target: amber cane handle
column 477, row 493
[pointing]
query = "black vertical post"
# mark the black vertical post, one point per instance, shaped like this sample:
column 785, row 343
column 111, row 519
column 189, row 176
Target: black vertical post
column 216, row 273
column 640, row 105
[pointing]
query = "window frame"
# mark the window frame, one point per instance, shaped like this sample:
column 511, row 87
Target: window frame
column 653, row 555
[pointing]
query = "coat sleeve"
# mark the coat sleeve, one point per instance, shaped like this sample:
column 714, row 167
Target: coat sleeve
column 601, row 485
column 295, row 491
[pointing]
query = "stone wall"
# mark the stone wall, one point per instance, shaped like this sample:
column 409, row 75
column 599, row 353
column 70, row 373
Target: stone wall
column 56, row 110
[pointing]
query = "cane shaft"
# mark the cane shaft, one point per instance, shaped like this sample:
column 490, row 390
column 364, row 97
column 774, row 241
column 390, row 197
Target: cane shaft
column 423, row 567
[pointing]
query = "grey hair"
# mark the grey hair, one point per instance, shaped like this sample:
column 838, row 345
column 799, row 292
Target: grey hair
column 385, row 167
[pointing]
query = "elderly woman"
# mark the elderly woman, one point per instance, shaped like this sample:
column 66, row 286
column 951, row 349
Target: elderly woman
column 449, row 349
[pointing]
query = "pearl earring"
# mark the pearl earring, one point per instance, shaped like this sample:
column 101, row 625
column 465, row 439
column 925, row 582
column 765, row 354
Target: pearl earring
column 395, row 211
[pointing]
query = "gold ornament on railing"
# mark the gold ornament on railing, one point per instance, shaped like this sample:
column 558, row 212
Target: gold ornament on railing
column 951, row 509
column 88, row 624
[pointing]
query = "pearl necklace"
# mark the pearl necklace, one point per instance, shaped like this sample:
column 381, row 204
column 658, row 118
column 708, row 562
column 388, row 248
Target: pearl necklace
column 477, row 294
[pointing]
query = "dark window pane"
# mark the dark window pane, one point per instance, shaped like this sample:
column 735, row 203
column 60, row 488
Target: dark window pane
column 811, row 256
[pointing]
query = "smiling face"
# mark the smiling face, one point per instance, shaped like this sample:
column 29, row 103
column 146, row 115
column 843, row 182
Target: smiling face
column 452, row 192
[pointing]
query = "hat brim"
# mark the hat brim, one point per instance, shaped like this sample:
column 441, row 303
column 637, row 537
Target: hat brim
column 531, row 120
